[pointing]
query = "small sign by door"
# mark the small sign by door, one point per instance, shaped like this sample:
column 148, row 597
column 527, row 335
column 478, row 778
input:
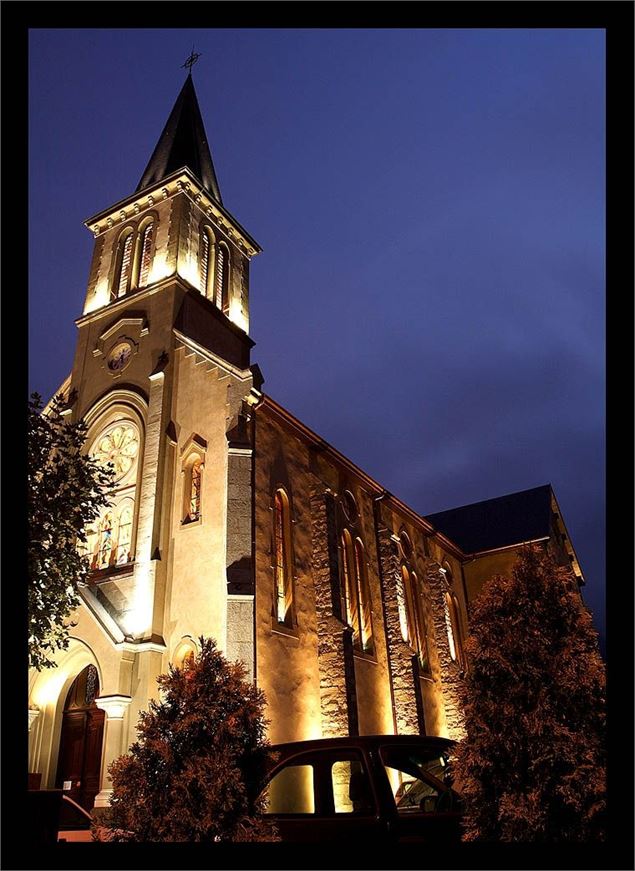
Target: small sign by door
column 68, row 784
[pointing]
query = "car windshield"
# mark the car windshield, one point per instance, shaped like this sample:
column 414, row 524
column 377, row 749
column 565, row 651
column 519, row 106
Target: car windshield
column 419, row 779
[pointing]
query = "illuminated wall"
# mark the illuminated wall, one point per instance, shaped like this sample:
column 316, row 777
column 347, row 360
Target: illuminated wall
column 180, row 209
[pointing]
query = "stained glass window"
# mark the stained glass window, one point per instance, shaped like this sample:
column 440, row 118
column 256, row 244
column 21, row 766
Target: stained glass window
column 124, row 537
column 109, row 541
column 92, row 684
column 119, row 445
column 195, row 490
column 104, row 555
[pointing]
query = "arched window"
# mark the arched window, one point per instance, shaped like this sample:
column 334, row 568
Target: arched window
column 415, row 619
column 356, row 591
column 133, row 259
column 123, row 272
column 350, row 585
column 222, row 278
column 185, row 653
column 283, row 571
column 453, row 622
column 109, row 543
column 145, row 253
column 459, row 632
column 449, row 624
column 206, row 262
column 84, row 689
column 365, row 616
column 192, row 491
column 195, row 491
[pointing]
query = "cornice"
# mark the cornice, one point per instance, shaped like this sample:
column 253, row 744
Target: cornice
column 182, row 181
column 568, row 543
column 378, row 491
column 123, row 303
column 211, row 357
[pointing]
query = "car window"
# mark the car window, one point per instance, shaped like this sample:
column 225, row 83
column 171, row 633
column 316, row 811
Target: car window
column 416, row 780
column 352, row 793
column 291, row 791
column 72, row 816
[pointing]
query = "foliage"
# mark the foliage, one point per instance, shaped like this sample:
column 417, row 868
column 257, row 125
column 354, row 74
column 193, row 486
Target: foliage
column 198, row 767
column 66, row 492
column 533, row 765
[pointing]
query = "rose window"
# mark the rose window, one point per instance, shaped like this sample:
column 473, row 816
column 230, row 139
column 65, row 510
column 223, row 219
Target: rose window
column 118, row 446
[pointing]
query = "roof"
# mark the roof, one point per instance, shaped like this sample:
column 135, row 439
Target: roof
column 183, row 142
column 500, row 522
column 266, row 403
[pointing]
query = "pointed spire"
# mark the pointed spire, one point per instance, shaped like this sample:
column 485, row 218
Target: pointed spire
column 183, row 143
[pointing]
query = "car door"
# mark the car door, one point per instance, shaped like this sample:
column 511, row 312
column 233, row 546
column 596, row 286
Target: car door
column 349, row 808
column 324, row 795
column 291, row 799
column 424, row 806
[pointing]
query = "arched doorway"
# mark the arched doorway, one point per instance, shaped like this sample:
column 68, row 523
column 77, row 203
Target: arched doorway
column 79, row 761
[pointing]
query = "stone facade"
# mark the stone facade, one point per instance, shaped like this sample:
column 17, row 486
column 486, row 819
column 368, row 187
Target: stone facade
column 338, row 702
column 203, row 555
column 408, row 706
column 451, row 673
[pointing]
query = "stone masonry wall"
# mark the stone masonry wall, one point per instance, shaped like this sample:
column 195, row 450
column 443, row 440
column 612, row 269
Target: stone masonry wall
column 335, row 653
column 239, row 570
column 408, row 706
column 451, row 676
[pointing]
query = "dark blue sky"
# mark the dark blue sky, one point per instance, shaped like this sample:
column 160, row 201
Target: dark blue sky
column 430, row 298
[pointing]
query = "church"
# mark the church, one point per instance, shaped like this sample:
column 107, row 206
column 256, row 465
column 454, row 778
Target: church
column 232, row 519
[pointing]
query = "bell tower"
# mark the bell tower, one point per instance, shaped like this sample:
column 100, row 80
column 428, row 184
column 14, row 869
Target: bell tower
column 174, row 225
column 163, row 378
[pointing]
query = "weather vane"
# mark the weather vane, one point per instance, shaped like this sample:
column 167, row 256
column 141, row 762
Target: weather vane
column 189, row 63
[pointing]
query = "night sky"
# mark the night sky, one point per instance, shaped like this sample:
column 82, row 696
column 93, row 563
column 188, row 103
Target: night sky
column 430, row 297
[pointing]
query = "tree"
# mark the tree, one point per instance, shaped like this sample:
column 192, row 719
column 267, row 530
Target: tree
column 198, row 767
column 532, row 767
column 66, row 491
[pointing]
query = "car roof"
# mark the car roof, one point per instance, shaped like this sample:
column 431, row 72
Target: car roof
column 431, row 742
column 77, row 807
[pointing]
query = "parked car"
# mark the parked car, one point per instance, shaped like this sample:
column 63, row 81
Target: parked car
column 74, row 823
column 379, row 788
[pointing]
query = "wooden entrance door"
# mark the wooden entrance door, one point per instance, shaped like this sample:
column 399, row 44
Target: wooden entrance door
column 79, row 761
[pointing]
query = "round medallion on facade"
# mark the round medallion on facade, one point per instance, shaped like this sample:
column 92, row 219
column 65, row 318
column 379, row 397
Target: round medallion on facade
column 349, row 506
column 119, row 356
column 118, row 446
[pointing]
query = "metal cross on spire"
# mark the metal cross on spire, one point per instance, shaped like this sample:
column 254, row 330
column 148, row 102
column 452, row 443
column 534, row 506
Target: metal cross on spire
column 189, row 63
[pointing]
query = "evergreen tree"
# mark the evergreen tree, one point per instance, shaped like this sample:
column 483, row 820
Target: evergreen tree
column 66, row 491
column 532, row 767
column 198, row 767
